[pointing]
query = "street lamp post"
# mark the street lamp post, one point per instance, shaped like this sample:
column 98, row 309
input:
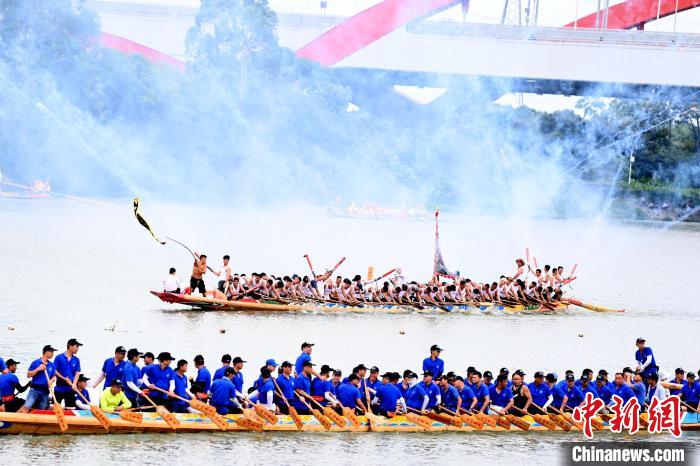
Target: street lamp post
column 629, row 175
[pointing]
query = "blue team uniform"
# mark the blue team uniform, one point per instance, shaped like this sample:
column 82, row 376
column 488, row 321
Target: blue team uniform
column 319, row 387
column 604, row 393
column 348, row 394
column 589, row 389
column 415, row 397
column 557, row 396
column 574, row 396
column 388, row 396
column 219, row 373
column 301, row 382
column 286, row 387
column 433, row 392
column 500, row 399
column 450, row 396
column 480, row 392
column 641, row 356
column 467, row 396
column 112, row 371
column 624, row 392
column 180, row 389
column 67, row 368
column 131, row 373
column 8, row 382
column 238, row 381
column 540, row 393
column 640, row 392
column 299, row 364
column 204, row 378
column 677, row 391
column 691, row 393
column 160, row 378
column 436, row 366
column 222, row 392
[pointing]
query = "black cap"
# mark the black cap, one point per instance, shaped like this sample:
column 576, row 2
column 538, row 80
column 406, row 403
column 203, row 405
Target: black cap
column 337, row 372
column 238, row 360
column 600, row 378
column 436, row 348
column 360, row 367
column 226, row 358
column 73, row 341
column 539, row 374
column 504, row 370
column 568, row 371
column 165, row 356
column 460, row 378
column 519, row 372
column 48, row 348
column 306, row 344
column 352, row 377
column 690, row 375
column 570, row 377
column 680, row 371
column 628, row 369
column 82, row 378
column 387, row 375
column 584, row 378
column 374, row 369
column 228, row 371
column 551, row 377
column 325, row 369
column 120, row 349
column 470, row 369
column 602, row 372
column 11, row 361
column 489, row 374
column 265, row 372
column 199, row 359
column 117, row 382
column 308, row 364
column 133, row 352
column 640, row 340
column 394, row 376
column 286, row 364
column 148, row 354
column 407, row 373
column 428, row 373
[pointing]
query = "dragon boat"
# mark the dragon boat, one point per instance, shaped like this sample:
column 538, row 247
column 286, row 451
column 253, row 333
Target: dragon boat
column 83, row 422
column 200, row 302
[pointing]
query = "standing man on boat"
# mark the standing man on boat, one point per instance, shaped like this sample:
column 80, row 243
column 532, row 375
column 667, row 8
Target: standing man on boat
column 199, row 268
column 644, row 357
column 131, row 376
column 306, row 349
column 433, row 363
column 302, row 385
column 225, row 363
column 8, row 384
column 68, row 365
column 286, row 385
column 203, row 374
column 237, row 374
column 38, row 397
column 161, row 375
column 224, row 274
column 113, row 368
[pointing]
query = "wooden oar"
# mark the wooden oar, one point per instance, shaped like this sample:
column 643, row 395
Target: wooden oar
column 590, row 307
column 262, row 412
column 339, row 420
column 208, row 410
column 311, row 267
column 471, row 420
column 559, row 421
column 419, row 418
column 96, row 411
column 442, row 418
column 488, row 420
column 162, row 411
column 372, row 418
column 500, row 419
column 292, row 410
column 546, row 421
column 515, row 420
column 323, row 420
column 57, row 408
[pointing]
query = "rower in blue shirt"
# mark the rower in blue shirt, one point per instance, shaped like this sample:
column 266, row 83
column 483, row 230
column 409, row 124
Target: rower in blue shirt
column 68, row 365
column 573, row 396
column 602, row 389
column 203, row 375
column 321, row 386
column 161, row 375
column 285, row 382
column 500, row 396
column 148, row 359
column 645, row 358
column 587, row 387
column 433, row 363
column 302, row 386
column 222, row 394
column 637, row 384
column 265, row 393
column 306, row 349
column 388, row 397
column 237, row 374
column 416, row 398
column 10, row 387
column 690, row 393
column 487, row 380
column 372, row 381
column 585, row 373
column 679, row 379
column 131, row 377
column 225, row 363
column 481, row 392
column 432, row 390
column 348, row 393
column 540, row 392
column 405, row 384
column 38, row 397
column 271, row 365
column 3, row 366
column 180, row 388
column 468, row 400
column 335, row 381
column 556, row 392
column 608, row 383
column 449, row 395
column 622, row 389
column 112, row 368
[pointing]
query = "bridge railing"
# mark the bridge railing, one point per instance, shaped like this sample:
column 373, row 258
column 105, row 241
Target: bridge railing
column 569, row 35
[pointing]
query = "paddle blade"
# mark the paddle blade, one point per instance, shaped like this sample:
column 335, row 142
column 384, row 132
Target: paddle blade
column 60, row 417
column 254, row 419
column 519, row 422
column 101, row 416
column 295, row 417
column 560, row 422
column 597, row 425
column 265, row 413
column 339, row 420
column 168, row 417
column 350, row 416
column 503, row 422
column 545, row 421
column 421, row 421
column 217, row 419
column 131, row 416
column 570, row 419
column 325, row 422
column 488, row 420
column 472, row 421
column 247, row 424
column 203, row 408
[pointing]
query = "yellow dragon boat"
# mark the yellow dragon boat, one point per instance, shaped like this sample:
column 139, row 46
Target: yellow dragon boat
column 83, row 422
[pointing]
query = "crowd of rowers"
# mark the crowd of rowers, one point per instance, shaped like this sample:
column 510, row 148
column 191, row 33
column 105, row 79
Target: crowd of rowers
column 544, row 287
column 164, row 381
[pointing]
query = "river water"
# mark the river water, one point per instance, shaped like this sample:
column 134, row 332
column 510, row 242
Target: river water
column 84, row 271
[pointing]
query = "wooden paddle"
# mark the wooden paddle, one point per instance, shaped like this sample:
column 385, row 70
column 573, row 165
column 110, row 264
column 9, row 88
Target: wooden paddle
column 373, row 419
column 323, row 420
column 339, row 420
column 500, row 419
column 421, row 420
column 442, row 418
column 131, row 416
column 96, row 411
column 208, row 410
column 57, row 408
column 515, row 420
column 292, row 410
column 540, row 419
column 162, row 411
column 554, row 418
column 597, row 425
column 471, row 420
column 488, row 420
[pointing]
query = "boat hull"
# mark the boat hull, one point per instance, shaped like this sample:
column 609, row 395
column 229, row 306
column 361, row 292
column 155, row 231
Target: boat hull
column 269, row 306
column 82, row 422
